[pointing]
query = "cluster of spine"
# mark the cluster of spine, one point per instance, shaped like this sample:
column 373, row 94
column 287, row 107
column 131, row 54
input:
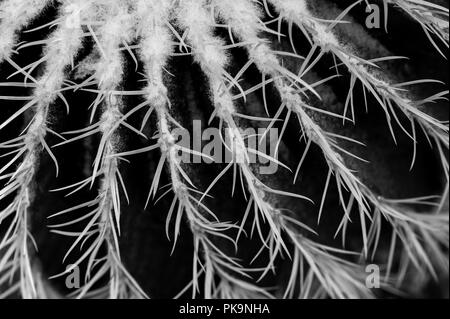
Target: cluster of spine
column 158, row 28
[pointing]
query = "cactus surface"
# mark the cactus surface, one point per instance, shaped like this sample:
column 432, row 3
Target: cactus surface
column 224, row 149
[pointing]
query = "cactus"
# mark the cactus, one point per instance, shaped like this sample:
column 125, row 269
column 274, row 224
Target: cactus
column 342, row 194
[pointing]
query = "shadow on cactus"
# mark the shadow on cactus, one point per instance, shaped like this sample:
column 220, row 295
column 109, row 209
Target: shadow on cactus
column 224, row 149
